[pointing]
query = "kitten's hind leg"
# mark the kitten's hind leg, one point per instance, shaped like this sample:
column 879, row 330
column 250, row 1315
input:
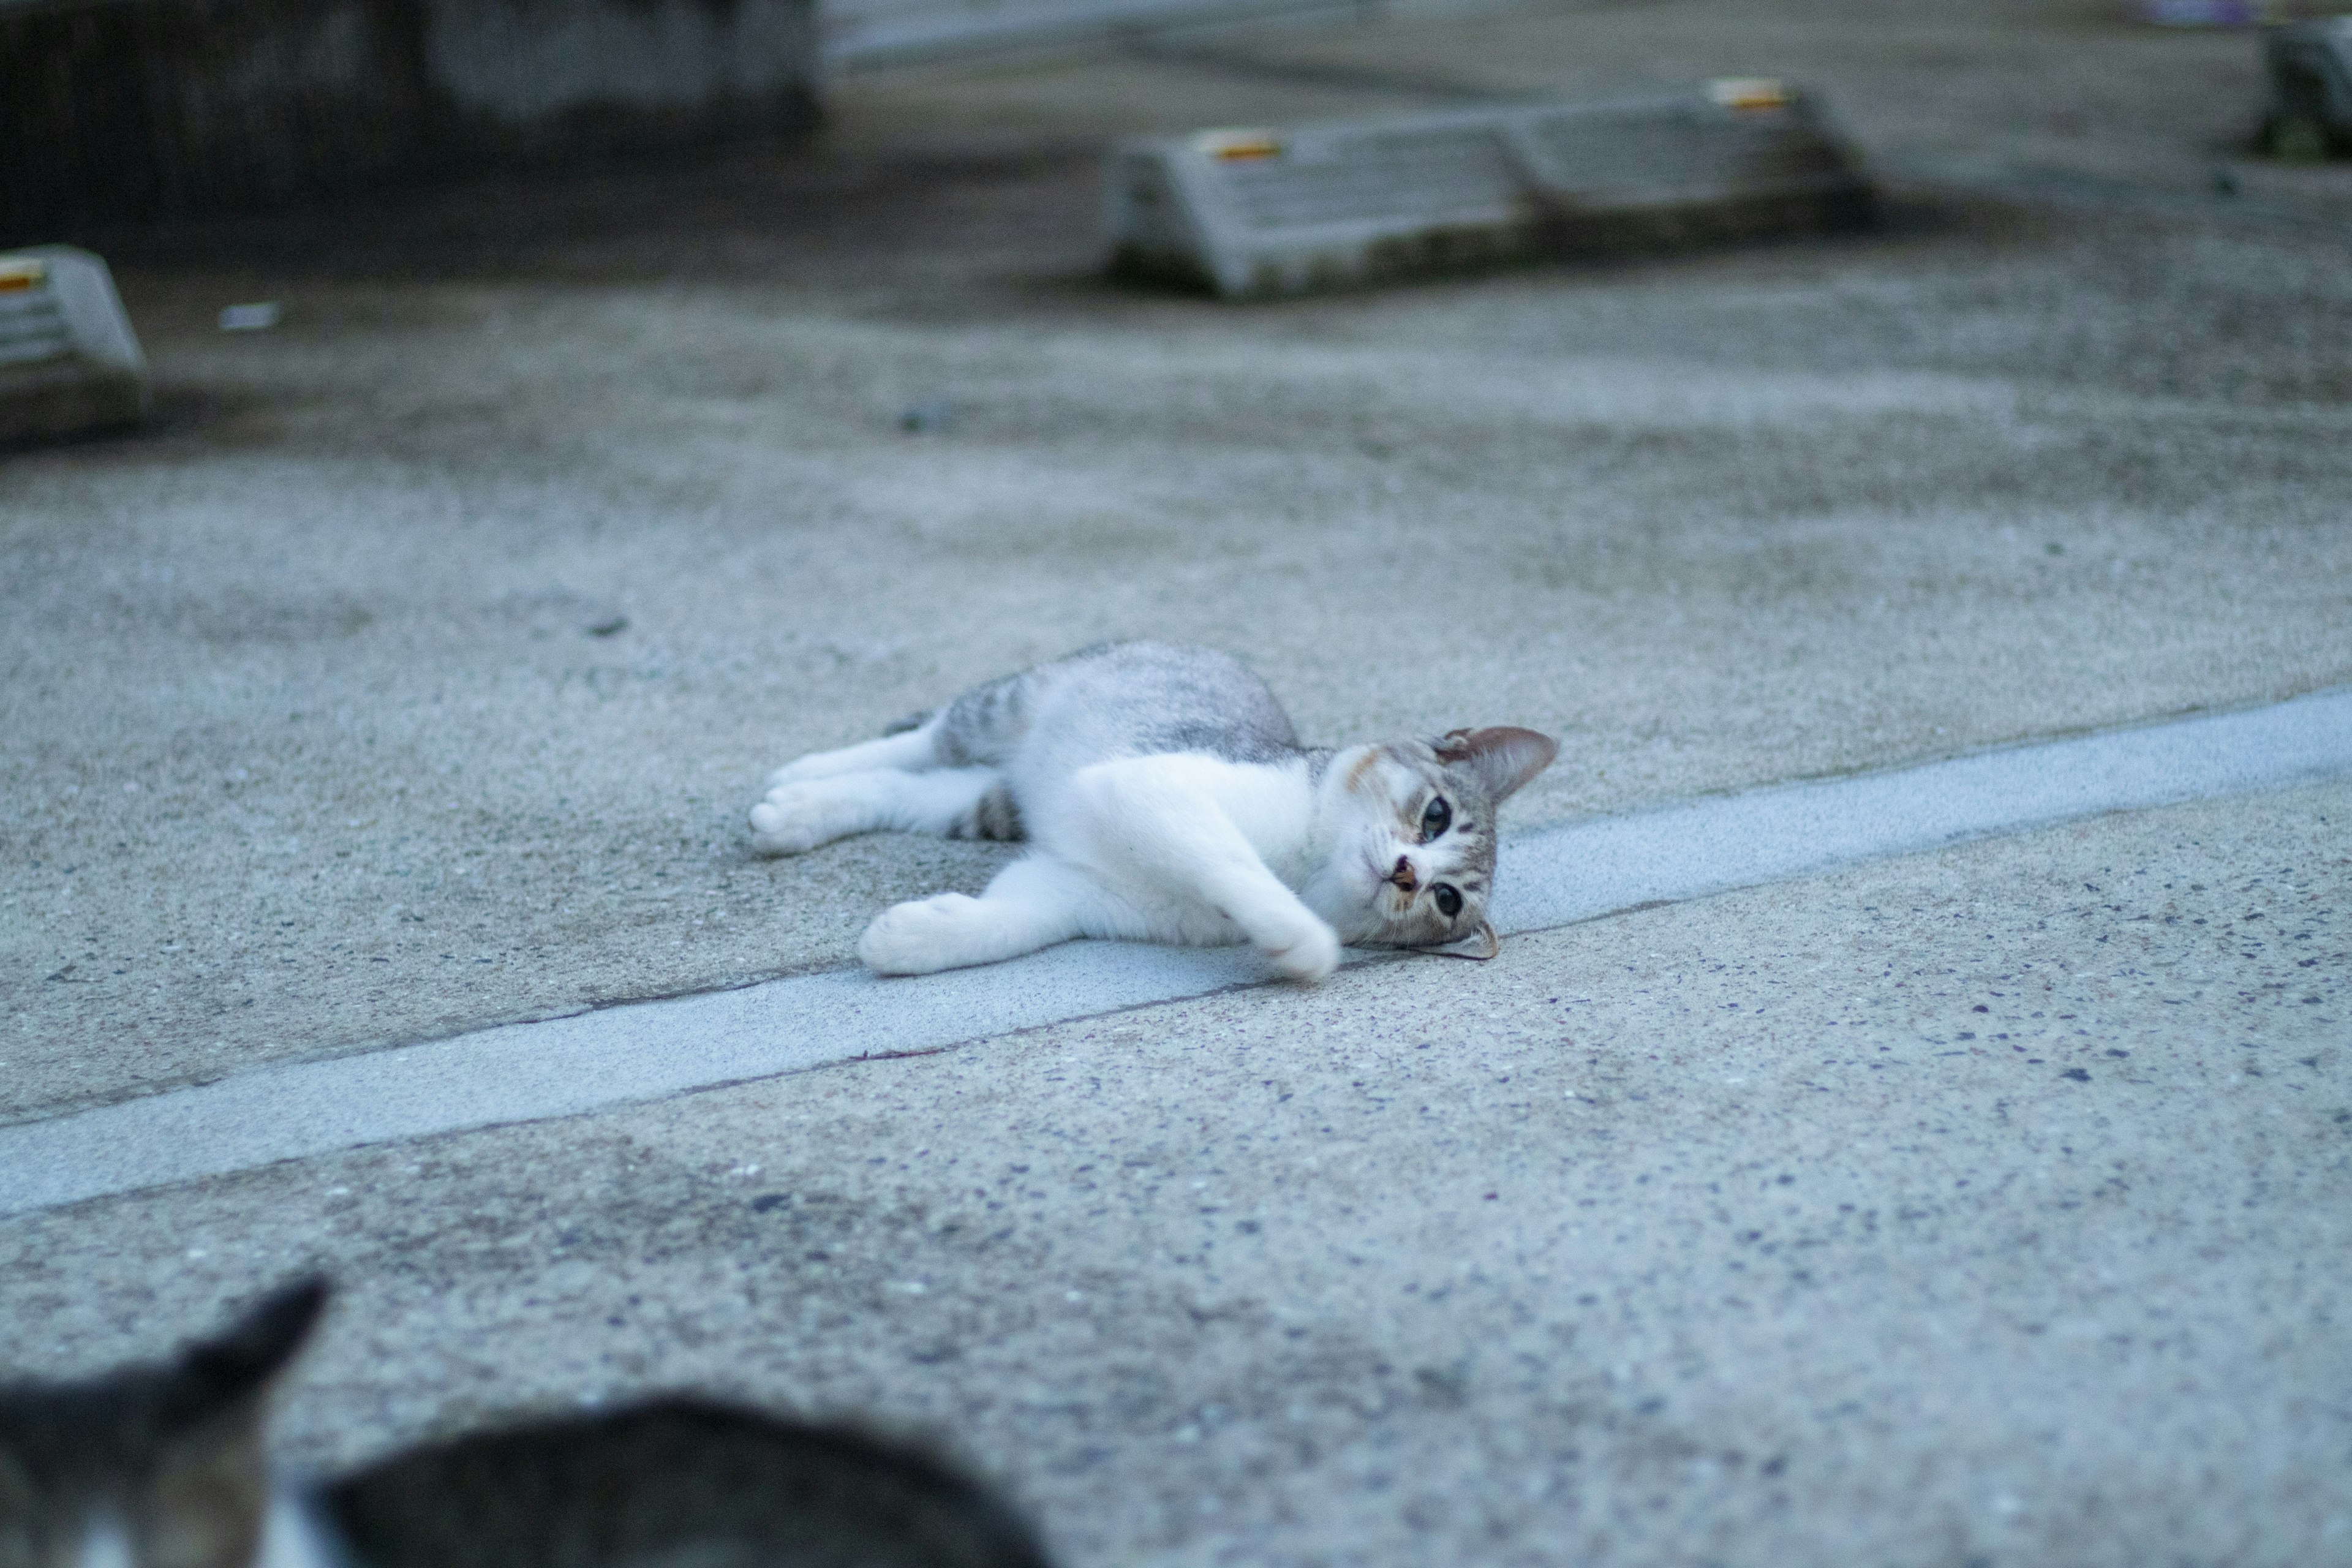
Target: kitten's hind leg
column 954, row 803
column 1035, row 902
column 907, row 750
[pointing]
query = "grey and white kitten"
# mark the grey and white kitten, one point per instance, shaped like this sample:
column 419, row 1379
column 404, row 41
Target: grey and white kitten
column 1166, row 798
column 162, row 1467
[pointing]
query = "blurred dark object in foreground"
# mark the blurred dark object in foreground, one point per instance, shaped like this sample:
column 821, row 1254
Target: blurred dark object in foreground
column 2309, row 115
column 161, row 1466
column 1263, row 213
column 166, row 107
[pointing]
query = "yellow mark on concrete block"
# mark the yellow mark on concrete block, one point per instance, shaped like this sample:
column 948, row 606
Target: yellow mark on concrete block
column 1749, row 92
column 1239, row 147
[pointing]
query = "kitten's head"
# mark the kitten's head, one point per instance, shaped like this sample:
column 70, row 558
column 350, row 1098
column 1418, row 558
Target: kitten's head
column 150, row 1466
column 1410, row 829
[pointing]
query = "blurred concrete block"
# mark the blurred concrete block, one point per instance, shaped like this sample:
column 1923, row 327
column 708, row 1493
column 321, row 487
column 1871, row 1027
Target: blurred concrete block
column 69, row 359
column 1261, row 213
column 2310, row 71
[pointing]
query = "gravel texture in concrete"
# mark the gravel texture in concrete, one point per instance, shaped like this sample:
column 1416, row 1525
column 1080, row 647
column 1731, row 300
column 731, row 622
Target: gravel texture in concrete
column 415, row 673
column 608, row 1056
column 325, row 727
column 1986, row 1206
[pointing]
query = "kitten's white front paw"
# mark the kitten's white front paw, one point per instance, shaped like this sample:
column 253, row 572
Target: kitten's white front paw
column 920, row 937
column 1307, row 953
column 790, row 822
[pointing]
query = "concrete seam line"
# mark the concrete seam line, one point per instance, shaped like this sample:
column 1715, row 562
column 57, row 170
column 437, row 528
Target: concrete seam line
column 589, row 1061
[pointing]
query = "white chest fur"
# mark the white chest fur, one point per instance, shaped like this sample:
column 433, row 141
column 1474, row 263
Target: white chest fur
column 1123, row 818
column 1171, row 847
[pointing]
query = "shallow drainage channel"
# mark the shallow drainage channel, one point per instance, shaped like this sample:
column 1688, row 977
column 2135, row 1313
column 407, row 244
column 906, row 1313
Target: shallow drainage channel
column 562, row 1066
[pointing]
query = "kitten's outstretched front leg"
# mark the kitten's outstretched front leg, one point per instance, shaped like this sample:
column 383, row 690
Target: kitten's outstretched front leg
column 1033, row 903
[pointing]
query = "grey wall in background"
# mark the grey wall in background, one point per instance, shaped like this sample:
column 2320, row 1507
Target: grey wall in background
column 129, row 108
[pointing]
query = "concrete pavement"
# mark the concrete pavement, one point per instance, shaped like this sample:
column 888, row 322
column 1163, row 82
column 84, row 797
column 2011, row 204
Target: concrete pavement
column 312, row 746
column 413, row 676
column 609, row 1057
column 1730, row 1232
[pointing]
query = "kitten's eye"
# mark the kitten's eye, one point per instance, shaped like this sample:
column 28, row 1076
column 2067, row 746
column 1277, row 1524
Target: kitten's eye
column 1436, row 819
column 1449, row 902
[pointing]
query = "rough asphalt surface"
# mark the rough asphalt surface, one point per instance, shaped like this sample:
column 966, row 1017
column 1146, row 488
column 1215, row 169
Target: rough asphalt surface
column 415, row 673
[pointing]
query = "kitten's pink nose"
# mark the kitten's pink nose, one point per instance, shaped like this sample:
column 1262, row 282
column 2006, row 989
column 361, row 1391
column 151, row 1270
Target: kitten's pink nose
column 1404, row 876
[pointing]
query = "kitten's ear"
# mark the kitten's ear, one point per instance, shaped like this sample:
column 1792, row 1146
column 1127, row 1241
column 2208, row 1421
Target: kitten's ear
column 228, row 1372
column 1501, row 757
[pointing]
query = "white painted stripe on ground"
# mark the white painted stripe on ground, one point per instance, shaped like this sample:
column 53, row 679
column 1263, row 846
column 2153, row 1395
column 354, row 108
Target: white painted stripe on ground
column 562, row 1066
column 1766, row 834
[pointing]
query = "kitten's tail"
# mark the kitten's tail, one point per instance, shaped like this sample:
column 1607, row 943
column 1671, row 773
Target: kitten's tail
column 911, row 722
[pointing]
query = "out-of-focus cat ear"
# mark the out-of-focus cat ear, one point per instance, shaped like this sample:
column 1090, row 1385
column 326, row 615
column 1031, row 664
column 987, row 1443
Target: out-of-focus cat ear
column 215, row 1376
column 1503, row 757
